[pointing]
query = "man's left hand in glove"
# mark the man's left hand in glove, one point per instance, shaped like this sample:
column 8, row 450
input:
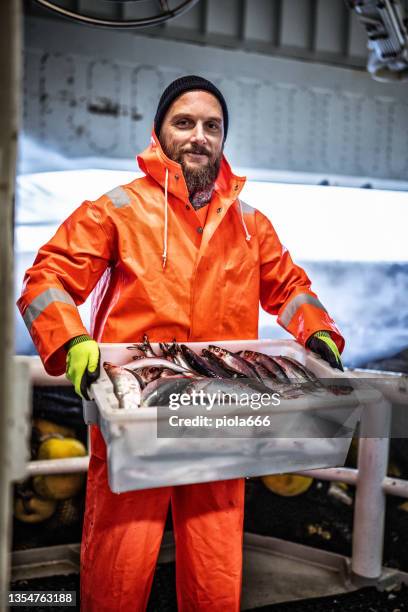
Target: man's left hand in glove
column 322, row 343
column 83, row 363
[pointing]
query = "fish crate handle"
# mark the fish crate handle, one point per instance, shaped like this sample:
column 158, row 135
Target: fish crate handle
column 90, row 412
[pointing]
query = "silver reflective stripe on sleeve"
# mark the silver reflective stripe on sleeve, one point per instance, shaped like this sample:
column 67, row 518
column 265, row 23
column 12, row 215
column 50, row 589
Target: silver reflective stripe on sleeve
column 303, row 298
column 119, row 197
column 40, row 303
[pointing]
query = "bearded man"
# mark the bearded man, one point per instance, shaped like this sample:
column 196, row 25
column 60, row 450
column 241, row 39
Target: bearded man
column 174, row 254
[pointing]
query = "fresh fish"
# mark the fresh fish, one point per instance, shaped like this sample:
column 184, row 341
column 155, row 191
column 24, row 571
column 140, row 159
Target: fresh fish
column 252, row 380
column 229, row 391
column 290, row 390
column 166, row 350
column 268, row 379
column 126, row 385
column 173, row 352
column 293, row 370
column 308, row 374
column 342, row 388
column 215, row 386
column 216, row 362
column 234, row 362
column 150, row 373
column 167, row 372
column 200, row 364
column 157, row 393
column 267, row 362
column 179, row 356
column 144, row 347
column 158, row 362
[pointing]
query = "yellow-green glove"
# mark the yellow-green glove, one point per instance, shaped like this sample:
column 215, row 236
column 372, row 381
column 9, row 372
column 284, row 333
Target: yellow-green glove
column 322, row 343
column 83, row 359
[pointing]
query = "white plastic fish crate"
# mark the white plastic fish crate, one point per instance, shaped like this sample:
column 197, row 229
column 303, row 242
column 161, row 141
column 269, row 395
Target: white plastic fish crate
column 138, row 459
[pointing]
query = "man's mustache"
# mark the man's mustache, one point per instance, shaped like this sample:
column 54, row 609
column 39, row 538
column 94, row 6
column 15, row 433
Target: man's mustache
column 197, row 151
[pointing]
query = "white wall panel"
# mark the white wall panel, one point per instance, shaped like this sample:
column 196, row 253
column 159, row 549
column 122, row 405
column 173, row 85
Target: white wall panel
column 99, row 99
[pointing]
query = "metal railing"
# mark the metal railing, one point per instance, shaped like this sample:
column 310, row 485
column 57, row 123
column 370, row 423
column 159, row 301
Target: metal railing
column 370, row 479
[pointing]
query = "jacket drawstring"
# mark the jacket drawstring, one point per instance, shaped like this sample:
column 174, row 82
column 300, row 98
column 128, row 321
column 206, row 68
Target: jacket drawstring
column 247, row 234
column 166, row 205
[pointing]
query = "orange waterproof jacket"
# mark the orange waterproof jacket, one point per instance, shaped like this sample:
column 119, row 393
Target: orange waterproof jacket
column 155, row 270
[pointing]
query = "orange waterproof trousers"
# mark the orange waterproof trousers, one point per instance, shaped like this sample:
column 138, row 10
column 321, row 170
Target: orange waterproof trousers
column 122, row 535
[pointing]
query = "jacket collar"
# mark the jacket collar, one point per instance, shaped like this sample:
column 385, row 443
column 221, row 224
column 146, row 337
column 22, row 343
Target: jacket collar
column 154, row 162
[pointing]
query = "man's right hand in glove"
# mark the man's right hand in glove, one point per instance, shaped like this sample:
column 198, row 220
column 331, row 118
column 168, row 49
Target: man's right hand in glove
column 322, row 343
column 83, row 359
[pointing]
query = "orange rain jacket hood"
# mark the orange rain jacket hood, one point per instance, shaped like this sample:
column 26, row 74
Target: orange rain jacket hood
column 155, row 270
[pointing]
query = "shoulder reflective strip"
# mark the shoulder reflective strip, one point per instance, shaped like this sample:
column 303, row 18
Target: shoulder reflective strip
column 40, row 303
column 246, row 208
column 119, row 197
column 301, row 299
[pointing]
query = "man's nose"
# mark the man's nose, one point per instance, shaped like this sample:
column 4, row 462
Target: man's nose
column 198, row 134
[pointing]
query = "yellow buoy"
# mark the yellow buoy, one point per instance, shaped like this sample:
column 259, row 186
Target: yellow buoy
column 34, row 510
column 61, row 448
column 287, row 485
column 47, row 428
column 59, row 486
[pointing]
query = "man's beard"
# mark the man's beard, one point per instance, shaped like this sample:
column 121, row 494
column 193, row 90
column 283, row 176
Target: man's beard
column 199, row 178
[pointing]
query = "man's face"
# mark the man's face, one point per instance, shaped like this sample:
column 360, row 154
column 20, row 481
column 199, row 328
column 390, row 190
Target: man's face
column 192, row 134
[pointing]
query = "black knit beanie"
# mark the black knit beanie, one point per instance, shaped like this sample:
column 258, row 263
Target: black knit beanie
column 180, row 86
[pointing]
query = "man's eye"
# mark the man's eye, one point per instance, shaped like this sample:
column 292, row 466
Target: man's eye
column 182, row 122
column 213, row 126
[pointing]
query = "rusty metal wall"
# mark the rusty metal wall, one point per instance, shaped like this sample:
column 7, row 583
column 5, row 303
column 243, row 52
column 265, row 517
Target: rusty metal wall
column 98, row 98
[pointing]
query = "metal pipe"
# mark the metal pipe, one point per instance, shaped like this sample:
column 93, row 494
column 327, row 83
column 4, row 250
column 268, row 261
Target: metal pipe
column 390, row 486
column 58, row 466
column 38, row 375
column 10, row 87
column 347, row 475
column 395, row 486
column 142, row 22
column 369, row 509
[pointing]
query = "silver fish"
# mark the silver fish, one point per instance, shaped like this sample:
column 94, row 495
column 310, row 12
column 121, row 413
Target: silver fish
column 234, row 362
column 150, row 373
column 217, row 363
column 302, row 370
column 173, row 351
column 166, row 352
column 157, row 393
column 293, row 370
column 200, row 364
column 155, row 362
column 126, row 386
column 180, row 357
column 145, row 347
column 274, row 368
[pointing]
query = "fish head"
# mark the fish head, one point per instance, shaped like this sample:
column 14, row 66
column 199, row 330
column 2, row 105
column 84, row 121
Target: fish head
column 216, row 350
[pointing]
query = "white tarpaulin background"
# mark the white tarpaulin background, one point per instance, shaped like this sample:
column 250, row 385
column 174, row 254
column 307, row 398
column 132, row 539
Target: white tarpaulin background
column 352, row 242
